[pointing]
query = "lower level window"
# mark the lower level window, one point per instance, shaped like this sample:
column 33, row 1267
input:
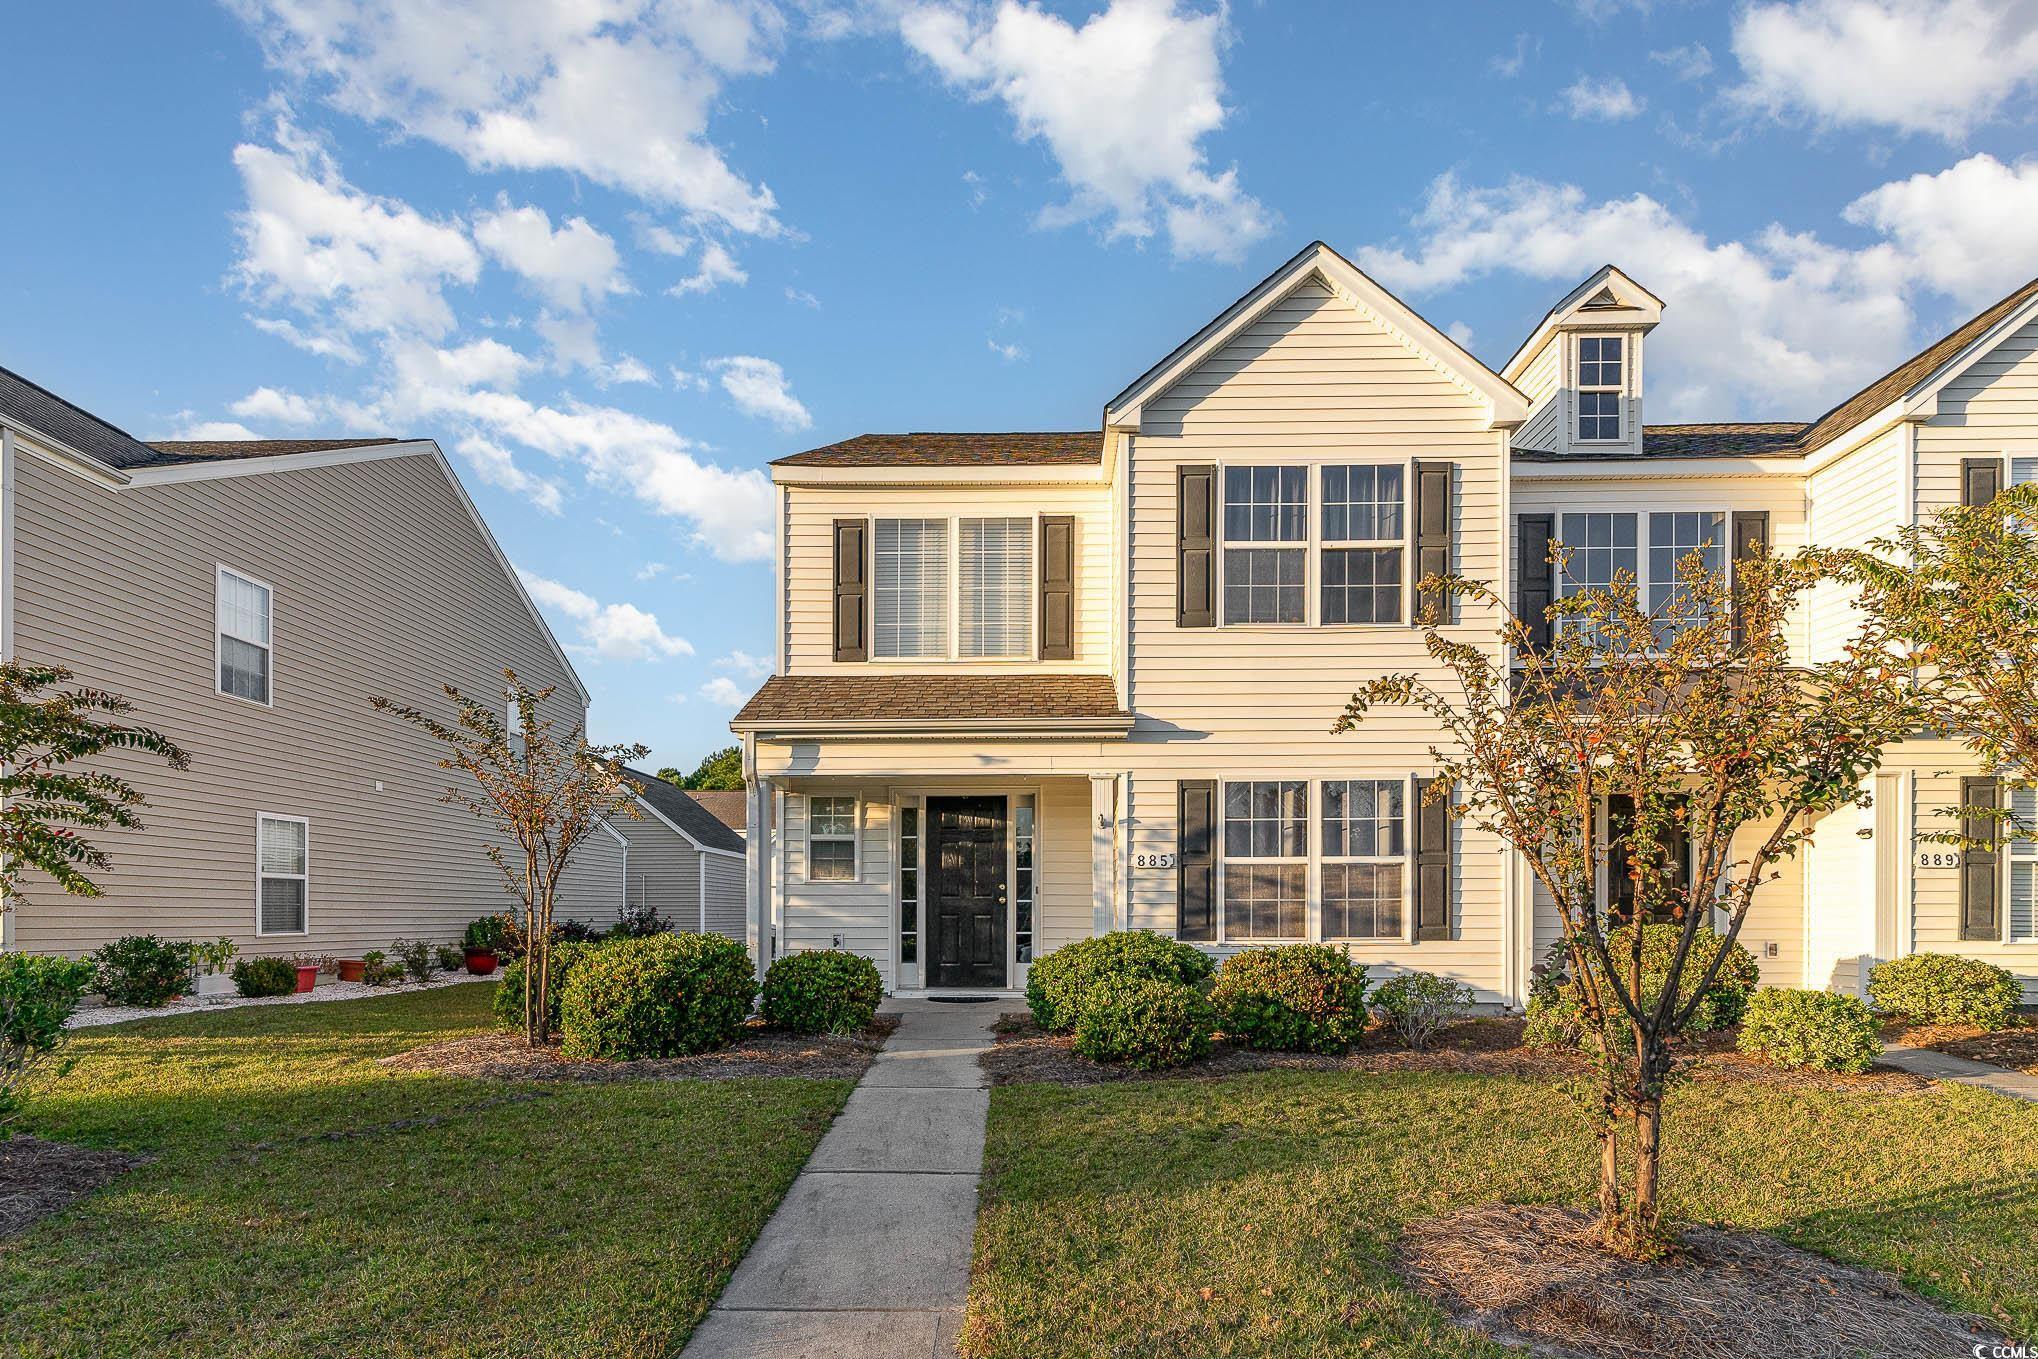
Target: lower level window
column 831, row 839
column 283, row 874
column 1266, row 859
column 1362, row 858
column 2023, row 856
column 909, row 884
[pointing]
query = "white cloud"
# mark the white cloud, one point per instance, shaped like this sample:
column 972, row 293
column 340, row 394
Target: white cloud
column 803, row 298
column 571, row 268
column 574, row 344
column 1608, row 100
column 1123, row 104
column 325, row 346
column 311, row 240
column 620, row 94
column 1970, row 231
column 616, row 632
column 675, row 698
column 652, row 570
column 724, row 691
column 1526, row 47
column 268, row 405
column 744, row 664
column 717, row 267
column 1010, row 353
column 1942, row 67
column 495, row 465
column 189, row 426
column 1692, row 62
column 1461, row 333
column 759, row 388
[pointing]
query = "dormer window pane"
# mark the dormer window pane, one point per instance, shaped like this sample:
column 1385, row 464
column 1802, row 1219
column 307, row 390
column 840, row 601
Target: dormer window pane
column 1599, row 416
column 1599, row 361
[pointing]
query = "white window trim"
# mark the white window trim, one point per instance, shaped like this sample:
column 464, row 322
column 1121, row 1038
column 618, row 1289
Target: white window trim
column 953, row 642
column 1644, row 543
column 305, row 877
column 220, row 571
column 1405, row 860
column 855, row 837
column 1313, row 544
column 1013, row 967
column 916, row 804
column 1621, row 391
column 1311, row 900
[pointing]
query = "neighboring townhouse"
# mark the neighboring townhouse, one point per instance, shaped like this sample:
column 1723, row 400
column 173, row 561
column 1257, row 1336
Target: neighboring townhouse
column 683, row 861
column 1036, row 686
column 250, row 598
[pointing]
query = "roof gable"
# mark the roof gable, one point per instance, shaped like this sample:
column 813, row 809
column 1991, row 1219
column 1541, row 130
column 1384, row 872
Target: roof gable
column 677, row 808
column 1609, row 297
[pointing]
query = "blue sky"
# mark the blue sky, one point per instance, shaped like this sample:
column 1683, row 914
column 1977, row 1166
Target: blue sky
column 615, row 255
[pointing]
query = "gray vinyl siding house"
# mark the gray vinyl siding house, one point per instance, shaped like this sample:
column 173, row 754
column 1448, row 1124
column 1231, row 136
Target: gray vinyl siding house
column 684, row 861
column 250, row 599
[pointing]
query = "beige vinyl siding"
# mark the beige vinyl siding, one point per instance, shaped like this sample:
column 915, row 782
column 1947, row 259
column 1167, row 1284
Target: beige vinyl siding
column 119, row 586
column 1540, row 382
column 1853, row 500
column 591, row 890
column 1935, row 892
column 860, row 912
column 1991, row 410
column 812, row 511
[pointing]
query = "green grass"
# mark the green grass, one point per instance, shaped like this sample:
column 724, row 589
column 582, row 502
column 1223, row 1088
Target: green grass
column 1108, row 1209
column 306, row 1201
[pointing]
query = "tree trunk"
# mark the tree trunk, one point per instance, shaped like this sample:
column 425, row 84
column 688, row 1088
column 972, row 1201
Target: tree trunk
column 1642, row 1229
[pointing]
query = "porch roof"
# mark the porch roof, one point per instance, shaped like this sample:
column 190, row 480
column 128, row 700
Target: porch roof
column 934, row 704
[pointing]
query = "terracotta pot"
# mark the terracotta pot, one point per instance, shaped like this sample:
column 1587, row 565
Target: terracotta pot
column 307, row 977
column 480, row 961
column 352, row 969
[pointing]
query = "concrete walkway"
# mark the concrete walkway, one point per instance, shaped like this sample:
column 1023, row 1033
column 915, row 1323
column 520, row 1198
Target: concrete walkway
column 1944, row 1066
column 869, row 1253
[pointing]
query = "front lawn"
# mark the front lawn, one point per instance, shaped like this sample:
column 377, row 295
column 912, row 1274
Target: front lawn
column 1258, row 1214
column 305, row 1199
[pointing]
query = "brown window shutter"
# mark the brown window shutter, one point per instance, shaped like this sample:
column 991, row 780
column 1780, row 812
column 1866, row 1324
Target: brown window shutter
column 1432, row 845
column 1432, row 531
column 1196, row 861
column 1980, row 480
column 1981, row 888
column 1058, row 587
column 1533, row 589
column 852, row 592
column 1750, row 530
column 1196, row 547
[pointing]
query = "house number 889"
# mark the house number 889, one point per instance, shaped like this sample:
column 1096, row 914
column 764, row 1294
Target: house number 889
column 1938, row 858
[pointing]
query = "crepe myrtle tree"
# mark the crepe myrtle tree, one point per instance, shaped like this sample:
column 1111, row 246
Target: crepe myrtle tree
column 1696, row 717
column 47, row 797
column 543, row 791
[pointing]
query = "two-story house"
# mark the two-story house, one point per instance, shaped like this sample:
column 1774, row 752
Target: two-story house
column 1035, row 686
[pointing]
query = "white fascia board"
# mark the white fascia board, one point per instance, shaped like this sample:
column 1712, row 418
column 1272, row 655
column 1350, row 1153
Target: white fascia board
column 1645, row 306
column 219, row 469
column 1655, row 469
column 28, row 439
column 987, row 728
column 1062, row 474
column 1922, row 401
column 1859, row 437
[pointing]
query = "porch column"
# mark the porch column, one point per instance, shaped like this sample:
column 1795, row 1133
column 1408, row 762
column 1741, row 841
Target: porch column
column 759, row 835
column 1103, row 852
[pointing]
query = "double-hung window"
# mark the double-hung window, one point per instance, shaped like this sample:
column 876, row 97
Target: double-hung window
column 1266, row 536
column 1361, row 526
column 831, row 839
column 2023, row 857
column 996, row 589
column 1363, row 866
column 1601, row 359
column 282, row 874
column 242, row 613
column 1601, row 547
column 910, row 580
column 1672, row 538
column 1266, row 859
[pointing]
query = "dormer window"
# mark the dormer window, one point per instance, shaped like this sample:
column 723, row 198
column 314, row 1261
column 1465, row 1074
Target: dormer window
column 1601, row 386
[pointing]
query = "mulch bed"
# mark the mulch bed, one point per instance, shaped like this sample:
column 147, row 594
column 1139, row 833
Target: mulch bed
column 1023, row 1052
column 1536, row 1277
column 760, row 1052
column 2015, row 1048
column 38, row 1178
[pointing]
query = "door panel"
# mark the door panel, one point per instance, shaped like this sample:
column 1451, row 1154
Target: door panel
column 966, row 855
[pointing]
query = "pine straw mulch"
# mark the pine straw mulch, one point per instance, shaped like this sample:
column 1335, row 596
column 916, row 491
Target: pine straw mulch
column 760, row 1052
column 38, row 1178
column 1023, row 1052
column 2015, row 1048
column 1536, row 1277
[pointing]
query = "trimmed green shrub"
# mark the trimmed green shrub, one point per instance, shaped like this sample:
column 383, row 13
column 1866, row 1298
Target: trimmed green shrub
column 1553, row 1021
column 140, row 969
column 1145, row 1023
column 508, row 1002
column 255, row 977
column 1291, row 998
column 1815, row 1029
column 1939, row 988
column 490, row 932
column 1057, row 984
column 449, row 958
column 1418, row 1005
column 665, row 996
column 1724, row 1000
column 37, row 994
column 414, row 956
column 822, row 991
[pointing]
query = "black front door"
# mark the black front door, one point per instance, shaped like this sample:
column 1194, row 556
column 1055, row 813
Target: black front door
column 966, row 867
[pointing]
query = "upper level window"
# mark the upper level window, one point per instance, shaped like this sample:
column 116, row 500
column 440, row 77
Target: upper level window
column 1672, row 538
column 831, row 839
column 911, row 583
column 1361, row 505
column 1601, row 385
column 242, row 613
column 1265, row 505
column 1601, row 547
column 1266, row 859
column 996, row 588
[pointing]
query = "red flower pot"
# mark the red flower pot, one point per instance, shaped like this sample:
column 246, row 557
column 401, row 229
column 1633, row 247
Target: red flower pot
column 352, row 969
column 480, row 961
column 307, row 977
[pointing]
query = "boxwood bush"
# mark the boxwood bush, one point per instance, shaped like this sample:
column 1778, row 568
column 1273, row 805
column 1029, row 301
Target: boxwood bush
column 822, row 991
column 1057, row 984
column 1939, row 988
column 255, row 977
column 665, row 996
column 140, row 969
column 37, row 994
column 1553, row 1011
column 1417, row 1005
column 1815, row 1029
column 1145, row 1023
column 1291, row 998
column 508, row 1001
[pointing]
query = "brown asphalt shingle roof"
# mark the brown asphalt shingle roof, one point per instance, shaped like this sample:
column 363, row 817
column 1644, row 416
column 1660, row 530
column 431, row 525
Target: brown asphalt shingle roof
column 1013, row 449
column 929, row 698
column 730, row 806
column 200, row 450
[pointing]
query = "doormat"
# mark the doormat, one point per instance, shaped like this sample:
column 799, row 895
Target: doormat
column 962, row 1000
